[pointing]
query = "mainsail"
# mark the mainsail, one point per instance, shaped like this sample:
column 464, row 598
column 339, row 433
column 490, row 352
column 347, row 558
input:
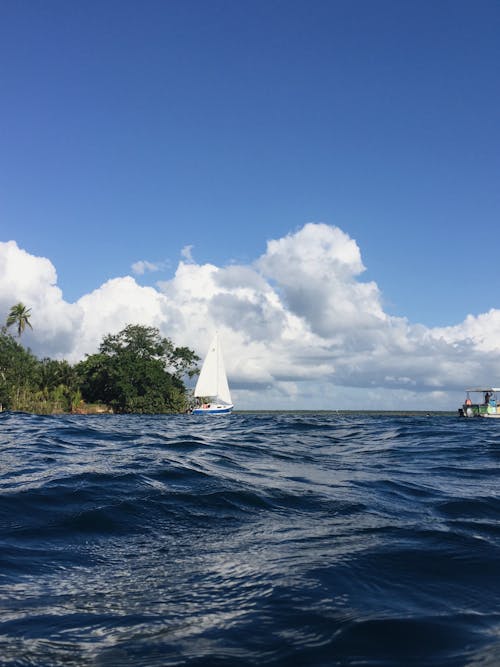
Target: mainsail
column 212, row 381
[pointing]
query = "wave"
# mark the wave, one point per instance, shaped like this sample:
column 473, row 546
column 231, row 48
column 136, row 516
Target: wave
column 249, row 540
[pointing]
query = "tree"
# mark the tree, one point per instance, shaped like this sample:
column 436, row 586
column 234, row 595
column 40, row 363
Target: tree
column 146, row 342
column 57, row 384
column 17, row 373
column 20, row 316
column 137, row 370
column 52, row 373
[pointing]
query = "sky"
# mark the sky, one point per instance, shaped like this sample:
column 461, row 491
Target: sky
column 319, row 181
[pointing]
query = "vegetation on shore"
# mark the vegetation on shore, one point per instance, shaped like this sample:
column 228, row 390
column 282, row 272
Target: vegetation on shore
column 134, row 371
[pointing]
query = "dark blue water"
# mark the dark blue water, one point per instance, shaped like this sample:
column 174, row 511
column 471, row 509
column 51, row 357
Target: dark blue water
column 249, row 540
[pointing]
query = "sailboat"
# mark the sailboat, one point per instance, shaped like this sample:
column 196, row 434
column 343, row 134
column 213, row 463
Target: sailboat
column 212, row 383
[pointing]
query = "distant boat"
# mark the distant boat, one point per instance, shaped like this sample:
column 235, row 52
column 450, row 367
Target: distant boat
column 481, row 402
column 212, row 388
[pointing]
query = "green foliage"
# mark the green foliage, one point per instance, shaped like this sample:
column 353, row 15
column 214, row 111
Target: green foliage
column 19, row 315
column 137, row 370
column 31, row 385
column 146, row 343
column 17, row 373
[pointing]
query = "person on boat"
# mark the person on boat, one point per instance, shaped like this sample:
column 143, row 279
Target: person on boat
column 487, row 398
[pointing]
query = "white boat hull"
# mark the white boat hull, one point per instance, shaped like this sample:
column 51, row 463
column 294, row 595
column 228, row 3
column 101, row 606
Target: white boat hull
column 471, row 415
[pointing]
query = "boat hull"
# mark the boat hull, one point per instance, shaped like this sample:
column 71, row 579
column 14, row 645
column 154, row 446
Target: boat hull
column 478, row 411
column 469, row 414
column 213, row 410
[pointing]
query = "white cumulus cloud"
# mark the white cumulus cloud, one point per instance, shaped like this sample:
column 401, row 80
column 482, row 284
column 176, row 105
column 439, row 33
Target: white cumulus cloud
column 317, row 269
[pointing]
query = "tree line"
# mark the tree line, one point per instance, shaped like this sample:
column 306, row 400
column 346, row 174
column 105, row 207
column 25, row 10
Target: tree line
column 134, row 371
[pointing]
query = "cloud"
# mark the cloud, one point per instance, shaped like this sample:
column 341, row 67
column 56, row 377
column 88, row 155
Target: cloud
column 317, row 270
column 32, row 280
column 483, row 331
column 110, row 308
column 186, row 254
column 143, row 266
column 300, row 327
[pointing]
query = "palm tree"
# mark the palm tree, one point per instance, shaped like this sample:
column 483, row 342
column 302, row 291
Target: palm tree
column 20, row 316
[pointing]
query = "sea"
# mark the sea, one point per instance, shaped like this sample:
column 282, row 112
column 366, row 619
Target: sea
column 277, row 539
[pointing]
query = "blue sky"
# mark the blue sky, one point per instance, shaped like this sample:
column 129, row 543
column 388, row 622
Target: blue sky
column 130, row 130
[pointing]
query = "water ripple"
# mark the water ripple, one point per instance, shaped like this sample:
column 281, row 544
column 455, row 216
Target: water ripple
column 312, row 539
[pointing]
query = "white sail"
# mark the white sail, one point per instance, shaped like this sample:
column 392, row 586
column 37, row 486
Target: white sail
column 212, row 381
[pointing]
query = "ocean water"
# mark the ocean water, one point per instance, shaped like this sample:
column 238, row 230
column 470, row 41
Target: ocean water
column 272, row 539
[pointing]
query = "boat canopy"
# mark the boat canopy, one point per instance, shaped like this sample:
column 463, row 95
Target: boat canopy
column 485, row 389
